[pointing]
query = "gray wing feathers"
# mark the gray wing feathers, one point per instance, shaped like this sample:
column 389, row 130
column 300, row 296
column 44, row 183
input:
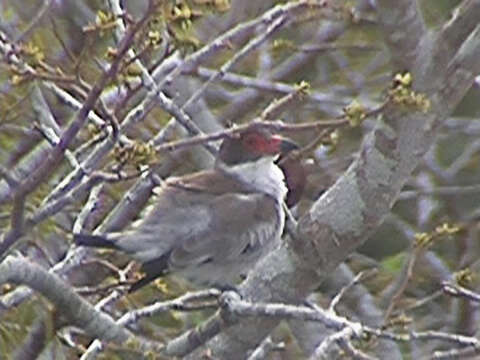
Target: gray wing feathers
column 238, row 224
column 149, row 240
column 195, row 228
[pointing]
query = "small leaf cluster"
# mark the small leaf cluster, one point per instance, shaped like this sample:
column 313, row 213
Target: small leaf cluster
column 402, row 93
column 426, row 239
column 355, row 113
column 464, row 277
column 104, row 22
column 137, row 154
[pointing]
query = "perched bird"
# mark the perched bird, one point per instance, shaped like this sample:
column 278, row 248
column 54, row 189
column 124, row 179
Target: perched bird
column 214, row 225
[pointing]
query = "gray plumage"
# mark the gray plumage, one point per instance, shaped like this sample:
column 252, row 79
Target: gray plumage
column 209, row 227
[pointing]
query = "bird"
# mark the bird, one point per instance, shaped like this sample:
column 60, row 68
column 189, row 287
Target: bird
column 212, row 226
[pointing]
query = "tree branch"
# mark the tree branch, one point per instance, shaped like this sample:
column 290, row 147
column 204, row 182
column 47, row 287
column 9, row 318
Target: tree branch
column 75, row 308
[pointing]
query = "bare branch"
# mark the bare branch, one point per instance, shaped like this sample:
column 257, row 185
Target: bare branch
column 251, row 46
column 266, row 347
column 11, row 181
column 267, row 85
column 464, row 20
column 276, row 126
column 34, row 22
column 404, row 29
column 459, row 291
column 78, row 310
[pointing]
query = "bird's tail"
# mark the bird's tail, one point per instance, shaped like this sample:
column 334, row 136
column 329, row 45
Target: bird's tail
column 93, row 241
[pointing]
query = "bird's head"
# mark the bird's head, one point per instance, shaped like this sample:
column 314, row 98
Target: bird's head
column 253, row 144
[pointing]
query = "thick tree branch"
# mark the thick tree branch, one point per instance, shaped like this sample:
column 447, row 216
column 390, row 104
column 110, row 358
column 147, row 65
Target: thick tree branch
column 75, row 308
column 464, row 20
column 404, row 28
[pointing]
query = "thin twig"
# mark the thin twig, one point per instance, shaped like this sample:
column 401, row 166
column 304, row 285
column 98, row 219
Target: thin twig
column 275, row 126
column 344, row 289
column 459, row 291
column 407, row 273
column 265, row 348
column 36, row 19
column 251, row 45
column 7, row 175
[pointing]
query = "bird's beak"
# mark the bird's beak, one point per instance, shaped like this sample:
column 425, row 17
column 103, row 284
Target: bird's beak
column 284, row 145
